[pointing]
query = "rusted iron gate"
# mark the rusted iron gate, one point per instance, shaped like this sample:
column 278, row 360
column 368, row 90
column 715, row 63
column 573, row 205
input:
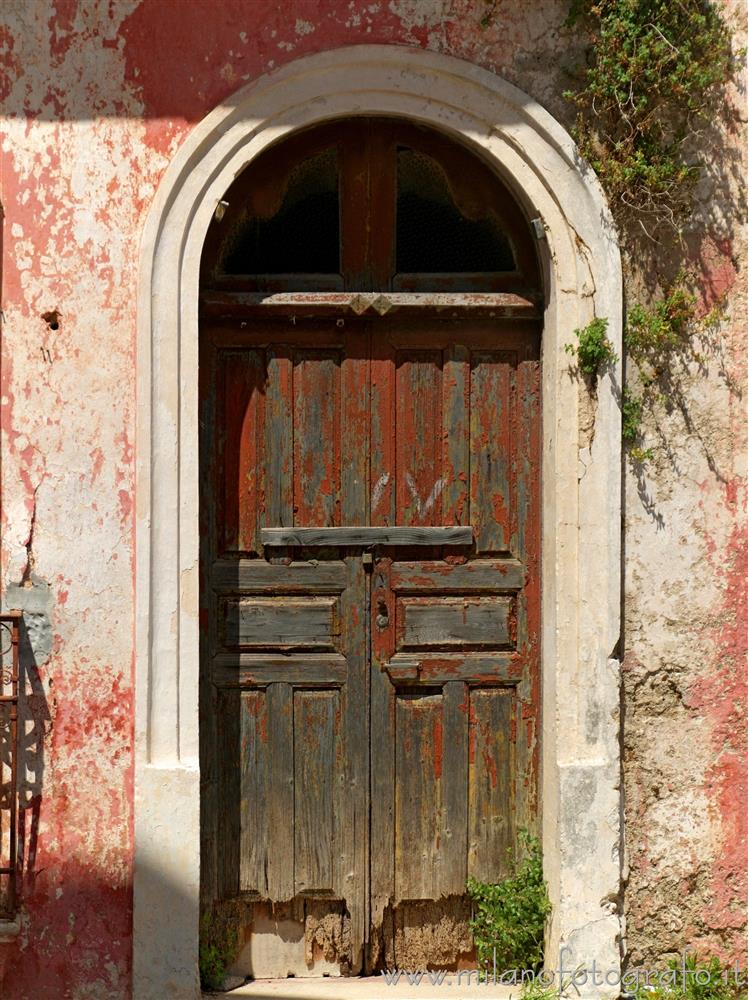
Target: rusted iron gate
column 9, row 680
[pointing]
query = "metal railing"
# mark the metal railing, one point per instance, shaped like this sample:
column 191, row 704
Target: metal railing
column 10, row 622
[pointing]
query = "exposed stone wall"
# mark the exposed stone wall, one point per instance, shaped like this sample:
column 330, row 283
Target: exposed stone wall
column 97, row 99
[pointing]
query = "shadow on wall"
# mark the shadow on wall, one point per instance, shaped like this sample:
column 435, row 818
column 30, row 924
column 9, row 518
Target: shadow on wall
column 75, row 939
column 75, row 926
column 35, row 644
column 695, row 375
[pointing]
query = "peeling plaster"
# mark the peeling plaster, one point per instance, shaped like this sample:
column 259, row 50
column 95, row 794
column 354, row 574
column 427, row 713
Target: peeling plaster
column 98, row 98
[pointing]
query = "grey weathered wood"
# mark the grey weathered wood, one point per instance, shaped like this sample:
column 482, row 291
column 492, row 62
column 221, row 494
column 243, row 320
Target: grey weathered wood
column 354, row 536
column 467, row 622
column 319, row 808
column 280, row 810
column 382, row 709
column 316, row 419
column 260, row 669
column 455, row 436
column 315, row 766
column 491, row 444
column 254, row 768
column 278, row 439
column 419, row 759
column 491, row 799
column 223, row 840
column 280, row 621
column 439, row 667
column 470, row 577
column 354, row 431
column 453, row 849
column 352, row 881
column 255, row 576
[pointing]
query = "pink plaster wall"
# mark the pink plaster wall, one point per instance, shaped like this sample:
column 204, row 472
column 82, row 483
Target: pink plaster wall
column 97, row 97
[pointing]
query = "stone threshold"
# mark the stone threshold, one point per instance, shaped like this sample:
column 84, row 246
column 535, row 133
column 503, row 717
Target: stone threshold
column 370, row 988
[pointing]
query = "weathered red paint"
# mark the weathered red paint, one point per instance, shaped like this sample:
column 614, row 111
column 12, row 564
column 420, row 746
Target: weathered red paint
column 720, row 695
column 142, row 79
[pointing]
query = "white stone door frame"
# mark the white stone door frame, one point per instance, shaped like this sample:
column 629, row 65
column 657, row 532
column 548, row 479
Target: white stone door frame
column 580, row 756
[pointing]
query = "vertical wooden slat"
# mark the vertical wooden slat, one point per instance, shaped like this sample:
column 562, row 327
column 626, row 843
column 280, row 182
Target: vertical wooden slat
column 382, row 766
column 418, row 788
column 280, row 811
column 528, row 458
column 315, row 765
column 490, row 447
column 453, row 853
column 354, row 429
column 491, row 823
column 456, row 436
column 278, row 472
column 243, row 378
column 316, row 438
column 382, row 433
column 254, row 769
column 353, row 805
column 418, row 446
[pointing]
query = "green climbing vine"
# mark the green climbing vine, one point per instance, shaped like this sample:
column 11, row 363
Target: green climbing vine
column 646, row 104
column 655, row 79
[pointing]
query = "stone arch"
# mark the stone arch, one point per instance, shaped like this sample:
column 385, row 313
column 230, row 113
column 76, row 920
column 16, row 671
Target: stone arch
column 580, row 757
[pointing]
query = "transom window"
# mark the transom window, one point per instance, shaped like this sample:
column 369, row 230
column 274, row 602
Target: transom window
column 370, row 204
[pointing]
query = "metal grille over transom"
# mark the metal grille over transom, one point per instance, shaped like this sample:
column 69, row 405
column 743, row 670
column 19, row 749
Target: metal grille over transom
column 369, row 701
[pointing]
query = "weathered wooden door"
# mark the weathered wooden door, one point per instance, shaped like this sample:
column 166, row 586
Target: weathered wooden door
column 369, row 704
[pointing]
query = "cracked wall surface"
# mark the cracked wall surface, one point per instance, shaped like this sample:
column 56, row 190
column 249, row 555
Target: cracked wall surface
column 97, row 97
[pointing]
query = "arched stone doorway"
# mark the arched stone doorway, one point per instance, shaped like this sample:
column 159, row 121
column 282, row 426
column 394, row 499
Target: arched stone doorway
column 579, row 767
column 370, row 471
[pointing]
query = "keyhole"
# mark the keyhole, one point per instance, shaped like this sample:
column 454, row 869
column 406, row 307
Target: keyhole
column 383, row 615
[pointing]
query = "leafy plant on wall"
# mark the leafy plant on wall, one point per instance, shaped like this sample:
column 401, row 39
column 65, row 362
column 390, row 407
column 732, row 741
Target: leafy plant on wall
column 651, row 111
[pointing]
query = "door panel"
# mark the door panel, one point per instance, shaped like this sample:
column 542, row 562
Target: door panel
column 454, row 639
column 316, row 421
column 491, row 780
column 418, row 458
column 285, row 795
column 369, row 706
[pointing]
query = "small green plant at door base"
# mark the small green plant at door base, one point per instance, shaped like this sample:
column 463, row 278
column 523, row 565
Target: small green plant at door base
column 694, row 979
column 218, row 945
column 533, row 989
column 593, row 350
column 509, row 916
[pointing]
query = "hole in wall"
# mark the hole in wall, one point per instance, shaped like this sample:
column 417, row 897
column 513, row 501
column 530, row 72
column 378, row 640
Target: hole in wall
column 52, row 319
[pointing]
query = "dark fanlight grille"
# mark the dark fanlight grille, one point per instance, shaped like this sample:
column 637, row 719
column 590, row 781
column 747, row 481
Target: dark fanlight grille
column 437, row 235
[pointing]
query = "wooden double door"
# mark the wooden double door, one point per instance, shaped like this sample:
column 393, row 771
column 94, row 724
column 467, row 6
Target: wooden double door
column 370, row 634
